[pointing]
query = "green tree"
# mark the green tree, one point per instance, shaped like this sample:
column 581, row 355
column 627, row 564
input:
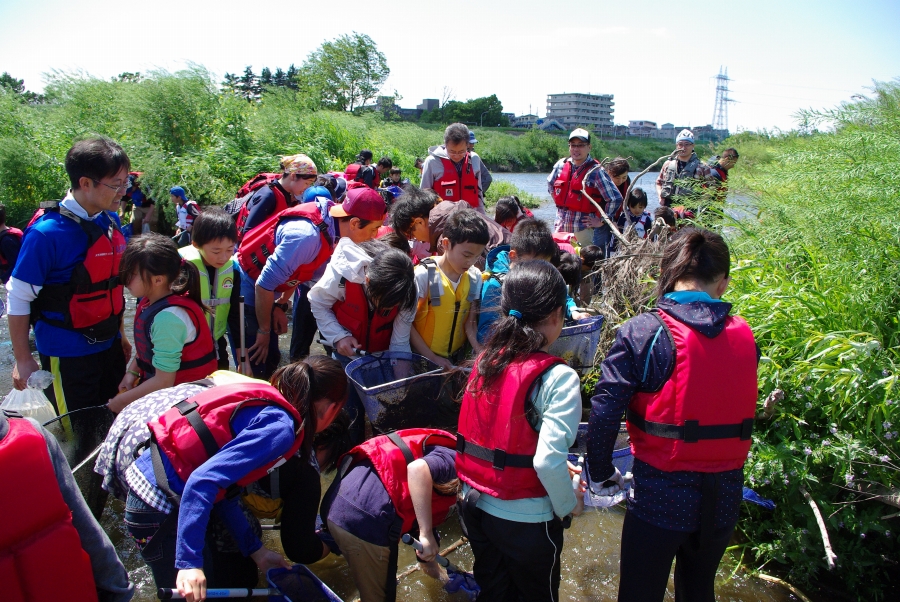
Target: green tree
column 348, row 71
column 17, row 87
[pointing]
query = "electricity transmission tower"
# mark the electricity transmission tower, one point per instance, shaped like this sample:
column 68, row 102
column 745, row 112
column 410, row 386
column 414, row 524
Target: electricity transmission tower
column 720, row 113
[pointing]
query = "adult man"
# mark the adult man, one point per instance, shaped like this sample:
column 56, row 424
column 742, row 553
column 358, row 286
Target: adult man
column 679, row 176
column 141, row 204
column 66, row 281
column 298, row 172
column 571, row 176
column 719, row 171
column 450, row 171
column 486, row 178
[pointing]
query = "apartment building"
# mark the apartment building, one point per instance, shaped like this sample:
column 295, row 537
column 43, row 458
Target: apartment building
column 572, row 110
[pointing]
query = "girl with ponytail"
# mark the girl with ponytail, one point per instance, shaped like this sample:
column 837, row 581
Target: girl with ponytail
column 173, row 342
column 684, row 375
column 519, row 416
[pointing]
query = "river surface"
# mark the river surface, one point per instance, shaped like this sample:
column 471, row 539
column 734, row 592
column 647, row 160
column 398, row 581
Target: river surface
column 590, row 558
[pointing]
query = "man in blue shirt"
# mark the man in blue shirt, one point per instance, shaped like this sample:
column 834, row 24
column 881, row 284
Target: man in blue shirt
column 66, row 280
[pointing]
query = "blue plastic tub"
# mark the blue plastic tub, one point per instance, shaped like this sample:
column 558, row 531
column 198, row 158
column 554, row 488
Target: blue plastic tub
column 577, row 344
column 299, row 584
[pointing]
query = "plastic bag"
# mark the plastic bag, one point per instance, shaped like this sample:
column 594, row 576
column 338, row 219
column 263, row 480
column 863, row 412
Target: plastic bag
column 32, row 403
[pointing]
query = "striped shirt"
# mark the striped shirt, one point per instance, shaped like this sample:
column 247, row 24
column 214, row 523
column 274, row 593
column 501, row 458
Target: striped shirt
column 575, row 221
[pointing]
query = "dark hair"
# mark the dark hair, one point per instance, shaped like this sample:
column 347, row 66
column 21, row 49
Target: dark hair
column 95, row 158
column 637, row 197
column 418, row 164
column 415, row 202
column 364, row 155
column 732, row 149
column 506, row 209
column 534, row 289
column 456, row 133
column 531, row 236
column 2, row 214
column 570, row 268
column 307, row 381
column 618, row 166
column 328, row 182
column 396, row 170
column 385, row 162
column 397, row 241
column 334, row 441
column 466, row 225
column 392, row 282
column 695, row 254
column 213, row 224
column 153, row 254
column 590, row 255
column 667, row 214
column 362, row 222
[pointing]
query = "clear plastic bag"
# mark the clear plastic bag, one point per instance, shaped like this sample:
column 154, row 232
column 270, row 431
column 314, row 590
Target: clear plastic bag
column 32, row 403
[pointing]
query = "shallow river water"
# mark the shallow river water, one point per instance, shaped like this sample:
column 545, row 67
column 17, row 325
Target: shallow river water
column 590, row 557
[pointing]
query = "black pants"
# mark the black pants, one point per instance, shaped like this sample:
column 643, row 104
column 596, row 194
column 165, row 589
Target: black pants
column 222, row 352
column 514, row 561
column 647, row 554
column 303, row 325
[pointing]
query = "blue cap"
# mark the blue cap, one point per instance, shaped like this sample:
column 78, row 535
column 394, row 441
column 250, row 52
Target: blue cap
column 472, row 139
column 178, row 191
column 313, row 191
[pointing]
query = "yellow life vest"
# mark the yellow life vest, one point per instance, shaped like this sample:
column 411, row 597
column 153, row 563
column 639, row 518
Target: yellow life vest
column 441, row 315
column 216, row 295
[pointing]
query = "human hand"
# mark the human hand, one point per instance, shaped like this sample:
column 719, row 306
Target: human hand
column 259, row 351
column 128, row 382
column 612, row 485
column 22, row 370
column 279, row 321
column 580, row 315
column 429, row 547
column 347, row 346
column 266, row 559
column 444, row 363
column 594, row 221
column 116, row 404
column 191, row 584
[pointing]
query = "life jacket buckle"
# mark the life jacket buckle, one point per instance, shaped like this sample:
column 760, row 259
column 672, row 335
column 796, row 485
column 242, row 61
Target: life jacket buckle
column 499, row 462
column 691, row 431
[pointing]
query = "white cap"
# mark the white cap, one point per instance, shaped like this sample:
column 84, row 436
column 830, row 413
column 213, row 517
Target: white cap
column 685, row 136
column 580, row 133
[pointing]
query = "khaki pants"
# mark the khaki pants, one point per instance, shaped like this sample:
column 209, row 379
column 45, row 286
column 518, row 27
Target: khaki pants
column 370, row 565
column 138, row 215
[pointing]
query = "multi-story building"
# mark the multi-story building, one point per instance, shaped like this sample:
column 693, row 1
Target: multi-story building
column 594, row 111
column 642, row 128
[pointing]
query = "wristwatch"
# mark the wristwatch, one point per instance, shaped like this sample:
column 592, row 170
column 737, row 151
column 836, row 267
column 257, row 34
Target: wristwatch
column 282, row 306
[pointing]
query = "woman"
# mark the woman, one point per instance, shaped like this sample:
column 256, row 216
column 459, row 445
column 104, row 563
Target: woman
column 686, row 373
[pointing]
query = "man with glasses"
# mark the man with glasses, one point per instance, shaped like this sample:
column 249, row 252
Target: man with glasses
column 298, row 172
column 451, row 171
column 679, row 177
column 573, row 176
column 719, row 171
column 66, row 280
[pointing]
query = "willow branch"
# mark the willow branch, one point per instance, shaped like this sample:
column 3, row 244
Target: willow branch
column 830, row 556
column 605, row 217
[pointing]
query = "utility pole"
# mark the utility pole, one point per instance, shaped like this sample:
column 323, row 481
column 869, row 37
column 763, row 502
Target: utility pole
column 720, row 113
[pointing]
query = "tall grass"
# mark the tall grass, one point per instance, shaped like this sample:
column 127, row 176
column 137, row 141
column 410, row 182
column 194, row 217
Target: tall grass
column 817, row 278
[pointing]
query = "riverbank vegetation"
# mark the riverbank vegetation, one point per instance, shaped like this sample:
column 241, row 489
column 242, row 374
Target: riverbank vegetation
column 184, row 129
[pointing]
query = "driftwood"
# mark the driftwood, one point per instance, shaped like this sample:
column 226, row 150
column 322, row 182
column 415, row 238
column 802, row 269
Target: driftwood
column 785, row 585
column 830, row 556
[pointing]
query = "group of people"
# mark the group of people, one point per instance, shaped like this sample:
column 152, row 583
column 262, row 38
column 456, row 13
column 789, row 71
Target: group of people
column 199, row 453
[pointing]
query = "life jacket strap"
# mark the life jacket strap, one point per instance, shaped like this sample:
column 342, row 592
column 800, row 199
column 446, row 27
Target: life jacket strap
column 404, row 448
column 188, row 409
column 498, row 458
column 692, row 432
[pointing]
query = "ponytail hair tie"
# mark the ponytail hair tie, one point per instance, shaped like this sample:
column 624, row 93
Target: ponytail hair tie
column 515, row 313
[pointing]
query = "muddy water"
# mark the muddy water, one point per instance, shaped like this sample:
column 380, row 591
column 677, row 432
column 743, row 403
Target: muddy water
column 589, row 561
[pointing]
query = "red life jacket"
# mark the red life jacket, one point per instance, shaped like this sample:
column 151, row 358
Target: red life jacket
column 259, row 244
column 568, row 186
column 244, row 201
column 92, row 301
column 4, row 264
column 188, row 442
column 495, row 421
column 390, row 454
column 37, row 531
column 371, row 329
column 702, row 418
column 355, row 172
column 198, row 357
column 453, row 187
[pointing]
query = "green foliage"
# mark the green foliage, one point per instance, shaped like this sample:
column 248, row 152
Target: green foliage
column 502, row 188
column 817, row 279
column 348, row 71
column 475, row 112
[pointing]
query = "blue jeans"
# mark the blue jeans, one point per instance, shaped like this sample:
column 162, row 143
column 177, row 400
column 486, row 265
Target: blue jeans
column 602, row 236
column 251, row 325
column 354, row 406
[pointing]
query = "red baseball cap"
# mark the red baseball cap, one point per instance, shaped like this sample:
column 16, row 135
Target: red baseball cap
column 362, row 202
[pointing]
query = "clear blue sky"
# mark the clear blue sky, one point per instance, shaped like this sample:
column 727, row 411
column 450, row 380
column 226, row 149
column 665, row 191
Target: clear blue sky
column 659, row 59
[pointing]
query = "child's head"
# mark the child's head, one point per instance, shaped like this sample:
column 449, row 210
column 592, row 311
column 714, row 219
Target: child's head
column 390, row 280
column 214, row 234
column 464, row 238
column 310, row 194
column 151, row 263
column 532, row 239
column 97, row 159
column 384, row 164
column 667, row 215
column 697, row 259
column 396, row 172
column 397, row 241
column 506, row 212
column 178, row 195
column 361, row 214
column 419, row 163
column 532, row 307
column 317, row 388
column 590, row 255
column 637, row 201
column 409, row 215
column 570, row 268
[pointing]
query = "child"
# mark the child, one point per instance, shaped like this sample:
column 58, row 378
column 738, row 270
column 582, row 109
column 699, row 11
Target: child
column 384, row 487
column 570, row 269
column 448, row 285
column 172, row 339
column 686, row 362
column 186, row 211
column 394, row 179
column 365, row 301
column 10, row 243
column 531, row 240
column 519, row 417
column 590, row 255
column 636, row 215
column 212, row 243
column 409, row 217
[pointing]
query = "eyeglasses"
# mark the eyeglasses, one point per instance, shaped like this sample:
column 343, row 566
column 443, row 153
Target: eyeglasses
column 683, row 144
column 729, row 158
column 122, row 187
column 577, row 145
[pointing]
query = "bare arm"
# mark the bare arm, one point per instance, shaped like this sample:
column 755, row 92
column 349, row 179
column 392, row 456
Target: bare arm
column 422, row 348
column 265, row 299
column 420, row 487
column 25, row 364
column 471, row 327
column 160, row 380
